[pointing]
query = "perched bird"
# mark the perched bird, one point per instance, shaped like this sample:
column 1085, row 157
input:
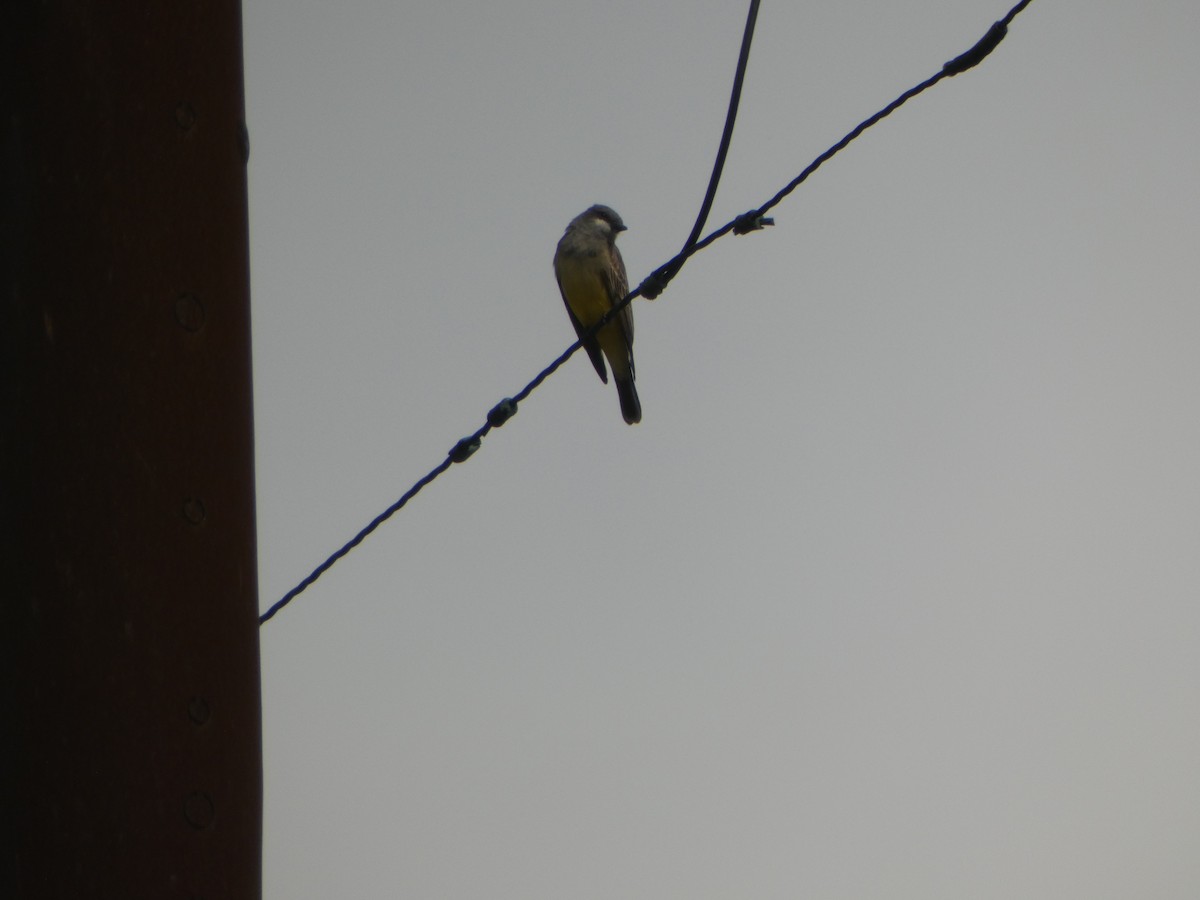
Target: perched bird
column 591, row 278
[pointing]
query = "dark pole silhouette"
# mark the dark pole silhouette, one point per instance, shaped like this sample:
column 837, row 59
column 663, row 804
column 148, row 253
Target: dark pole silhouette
column 129, row 681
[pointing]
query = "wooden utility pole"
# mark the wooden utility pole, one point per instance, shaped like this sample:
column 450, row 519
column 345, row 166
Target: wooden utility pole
column 129, row 700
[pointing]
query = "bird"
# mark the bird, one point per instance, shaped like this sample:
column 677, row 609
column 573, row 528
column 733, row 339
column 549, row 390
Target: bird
column 591, row 278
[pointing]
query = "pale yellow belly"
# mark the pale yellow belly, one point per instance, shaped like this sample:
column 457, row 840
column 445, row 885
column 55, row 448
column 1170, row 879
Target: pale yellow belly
column 584, row 290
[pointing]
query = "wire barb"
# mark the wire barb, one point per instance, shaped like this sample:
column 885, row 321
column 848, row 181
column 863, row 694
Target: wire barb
column 656, row 282
column 751, row 221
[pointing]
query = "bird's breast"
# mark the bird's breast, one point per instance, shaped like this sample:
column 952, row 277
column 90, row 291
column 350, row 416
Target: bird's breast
column 583, row 288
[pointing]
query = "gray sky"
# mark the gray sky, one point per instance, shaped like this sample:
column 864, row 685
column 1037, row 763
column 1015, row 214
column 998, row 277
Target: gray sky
column 892, row 594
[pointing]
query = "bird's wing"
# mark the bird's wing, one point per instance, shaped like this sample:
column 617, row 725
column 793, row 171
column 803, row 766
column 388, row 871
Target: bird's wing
column 590, row 344
column 617, row 284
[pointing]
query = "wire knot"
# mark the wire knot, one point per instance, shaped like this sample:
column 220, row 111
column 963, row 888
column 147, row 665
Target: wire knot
column 979, row 52
column 655, row 283
column 462, row 451
column 502, row 412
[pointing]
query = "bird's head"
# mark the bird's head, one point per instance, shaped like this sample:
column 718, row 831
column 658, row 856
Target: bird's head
column 606, row 217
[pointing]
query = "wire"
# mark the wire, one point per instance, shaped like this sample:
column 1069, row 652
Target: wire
column 657, row 281
column 1014, row 12
column 357, row 539
column 726, row 135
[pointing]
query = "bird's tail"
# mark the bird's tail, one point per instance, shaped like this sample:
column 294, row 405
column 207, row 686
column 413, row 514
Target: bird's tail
column 631, row 408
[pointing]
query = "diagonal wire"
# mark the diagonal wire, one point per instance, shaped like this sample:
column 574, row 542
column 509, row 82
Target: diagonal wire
column 356, row 540
column 657, row 281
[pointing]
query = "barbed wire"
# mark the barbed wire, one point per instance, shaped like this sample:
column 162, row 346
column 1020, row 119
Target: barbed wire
column 656, row 282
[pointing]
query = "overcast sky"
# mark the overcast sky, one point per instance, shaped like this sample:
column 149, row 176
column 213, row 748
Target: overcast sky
column 894, row 591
